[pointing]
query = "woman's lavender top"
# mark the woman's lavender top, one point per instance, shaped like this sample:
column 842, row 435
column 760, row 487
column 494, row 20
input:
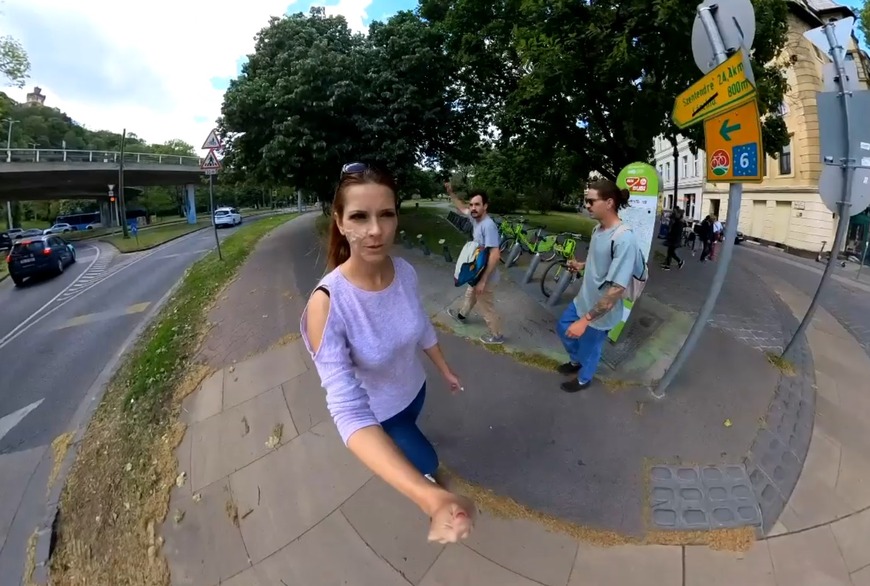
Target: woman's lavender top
column 369, row 359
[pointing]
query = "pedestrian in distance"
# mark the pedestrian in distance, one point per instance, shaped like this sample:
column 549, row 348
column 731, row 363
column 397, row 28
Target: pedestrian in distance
column 613, row 261
column 482, row 293
column 674, row 239
column 705, row 233
column 364, row 327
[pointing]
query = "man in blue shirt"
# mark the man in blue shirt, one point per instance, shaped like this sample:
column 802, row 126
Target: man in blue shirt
column 484, row 233
column 614, row 259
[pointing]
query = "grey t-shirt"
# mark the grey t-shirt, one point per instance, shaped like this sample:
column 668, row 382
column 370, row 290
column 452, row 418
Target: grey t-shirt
column 485, row 233
column 626, row 262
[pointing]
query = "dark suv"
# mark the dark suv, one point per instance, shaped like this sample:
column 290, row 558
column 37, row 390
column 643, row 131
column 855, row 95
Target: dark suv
column 40, row 255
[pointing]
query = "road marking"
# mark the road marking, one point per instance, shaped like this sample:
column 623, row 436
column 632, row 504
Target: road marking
column 185, row 253
column 29, row 319
column 90, row 318
column 7, row 422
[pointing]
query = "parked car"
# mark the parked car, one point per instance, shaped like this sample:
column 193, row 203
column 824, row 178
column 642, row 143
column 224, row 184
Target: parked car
column 59, row 229
column 227, row 217
column 29, row 233
column 737, row 239
column 14, row 232
column 45, row 254
column 5, row 241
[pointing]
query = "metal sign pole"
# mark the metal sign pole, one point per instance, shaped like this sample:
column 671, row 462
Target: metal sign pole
column 213, row 223
column 848, row 171
column 735, row 196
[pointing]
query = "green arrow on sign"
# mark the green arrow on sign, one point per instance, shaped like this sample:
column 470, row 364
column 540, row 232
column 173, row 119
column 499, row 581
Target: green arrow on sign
column 726, row 130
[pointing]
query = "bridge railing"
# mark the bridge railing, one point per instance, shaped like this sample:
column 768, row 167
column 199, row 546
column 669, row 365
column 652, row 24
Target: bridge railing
column 101, row 157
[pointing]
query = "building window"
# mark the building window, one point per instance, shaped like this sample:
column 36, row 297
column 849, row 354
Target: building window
column 667, row 171
column 695, row 165
column 785, row 160
column 685, row 165
column 690, row 205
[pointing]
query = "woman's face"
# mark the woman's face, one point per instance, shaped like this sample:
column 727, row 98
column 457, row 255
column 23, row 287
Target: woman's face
column 369, row 221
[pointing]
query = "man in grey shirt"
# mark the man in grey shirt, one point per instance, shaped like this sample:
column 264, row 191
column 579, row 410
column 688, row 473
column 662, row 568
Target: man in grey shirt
column 614, row 259
column 484, row 233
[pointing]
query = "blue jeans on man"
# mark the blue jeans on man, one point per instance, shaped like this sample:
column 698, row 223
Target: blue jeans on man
column 585, row 350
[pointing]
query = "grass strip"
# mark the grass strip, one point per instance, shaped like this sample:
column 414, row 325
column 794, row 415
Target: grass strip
column 153, row 237
column 117, row 494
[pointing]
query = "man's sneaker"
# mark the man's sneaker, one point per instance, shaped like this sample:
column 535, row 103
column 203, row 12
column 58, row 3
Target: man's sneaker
column 682, row 262
column 456, row 315
column 574, row 385
column 568, row 368
column 492, row 340
column 431, row 478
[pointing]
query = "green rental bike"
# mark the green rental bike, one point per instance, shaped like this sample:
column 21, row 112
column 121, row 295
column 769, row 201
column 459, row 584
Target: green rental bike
column 536, row 243
column 566, row 247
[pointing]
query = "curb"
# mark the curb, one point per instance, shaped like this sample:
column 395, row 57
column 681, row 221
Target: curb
column 153, row 246
column 45, row 532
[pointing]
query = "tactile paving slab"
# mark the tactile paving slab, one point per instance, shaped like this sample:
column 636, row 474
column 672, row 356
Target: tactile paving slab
column 702, row 497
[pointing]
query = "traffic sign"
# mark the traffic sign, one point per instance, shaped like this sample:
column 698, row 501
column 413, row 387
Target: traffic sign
column 842, row 33
column 831, row 189
column 732, row 140
column 210, row 163
column 722, row 88
column 735, row 20
column 212, row 141
column 832, row 134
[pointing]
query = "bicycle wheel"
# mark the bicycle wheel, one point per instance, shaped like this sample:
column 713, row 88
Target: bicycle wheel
column 505, row 247
column 549, row 255
column 551, row 277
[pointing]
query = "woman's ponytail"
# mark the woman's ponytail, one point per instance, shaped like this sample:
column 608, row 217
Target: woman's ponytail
column 339, row 247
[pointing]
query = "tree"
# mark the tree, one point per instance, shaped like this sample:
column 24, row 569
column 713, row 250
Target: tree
column 864, row 20
column 314, row 96
column 597, row 79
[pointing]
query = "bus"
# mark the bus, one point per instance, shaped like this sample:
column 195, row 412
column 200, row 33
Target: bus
column 80, row 221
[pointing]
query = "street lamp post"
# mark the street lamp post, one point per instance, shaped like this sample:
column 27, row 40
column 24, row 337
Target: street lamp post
column 121, row 200
column 10, row 121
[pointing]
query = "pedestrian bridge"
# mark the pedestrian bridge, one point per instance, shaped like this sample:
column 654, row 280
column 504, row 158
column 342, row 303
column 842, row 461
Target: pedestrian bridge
column 41, row 174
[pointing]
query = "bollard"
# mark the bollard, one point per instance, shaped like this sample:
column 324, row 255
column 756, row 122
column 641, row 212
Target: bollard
column 405, row 240
column 445, row 251
column 423, row 246
column 533, row 266
column 514, row 255
column 561, row 286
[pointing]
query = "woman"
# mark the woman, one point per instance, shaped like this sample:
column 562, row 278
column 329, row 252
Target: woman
column 364, row 326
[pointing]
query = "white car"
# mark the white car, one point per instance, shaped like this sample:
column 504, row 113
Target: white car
column 59, row 229
column 227, row 217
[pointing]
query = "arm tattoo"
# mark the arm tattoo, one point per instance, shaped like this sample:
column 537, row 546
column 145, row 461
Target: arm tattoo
column 606, row 303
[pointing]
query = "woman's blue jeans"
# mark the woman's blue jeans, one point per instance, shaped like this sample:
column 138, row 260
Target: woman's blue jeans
column 403, row 430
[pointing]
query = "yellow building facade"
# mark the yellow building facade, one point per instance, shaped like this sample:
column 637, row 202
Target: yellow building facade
column 786, row 208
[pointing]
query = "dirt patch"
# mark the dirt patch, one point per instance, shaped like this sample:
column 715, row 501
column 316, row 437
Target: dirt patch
column 117, row 494
column 504, row 507
column 781, row 364
column 59, row 448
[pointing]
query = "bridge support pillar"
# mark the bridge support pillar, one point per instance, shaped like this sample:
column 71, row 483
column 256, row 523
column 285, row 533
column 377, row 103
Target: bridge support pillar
column 106, row 218
column 190, row 200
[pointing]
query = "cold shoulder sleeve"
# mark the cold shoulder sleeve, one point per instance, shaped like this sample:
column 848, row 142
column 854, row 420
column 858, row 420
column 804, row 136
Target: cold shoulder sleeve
column 347, row 401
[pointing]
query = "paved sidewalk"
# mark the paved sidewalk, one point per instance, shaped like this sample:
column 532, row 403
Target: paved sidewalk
column 270, row 496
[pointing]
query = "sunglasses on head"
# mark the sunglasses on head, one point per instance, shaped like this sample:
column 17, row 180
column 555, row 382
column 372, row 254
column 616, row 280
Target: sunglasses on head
column 354, row 168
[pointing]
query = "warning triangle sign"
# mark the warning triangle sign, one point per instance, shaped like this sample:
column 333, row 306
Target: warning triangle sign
column 212, row 141
column 210, row 162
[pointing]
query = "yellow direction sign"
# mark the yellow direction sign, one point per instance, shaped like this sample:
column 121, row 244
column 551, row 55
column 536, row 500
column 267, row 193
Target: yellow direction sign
column 724, row 87
column 732, row 140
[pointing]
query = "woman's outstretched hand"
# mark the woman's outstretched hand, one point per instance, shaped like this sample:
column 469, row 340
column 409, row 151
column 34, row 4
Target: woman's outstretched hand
column 453, row 382
column 452, row 518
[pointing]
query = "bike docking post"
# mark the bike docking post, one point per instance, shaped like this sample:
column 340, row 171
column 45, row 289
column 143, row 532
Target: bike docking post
column 445, row 251
column 405, row 240
column 423, row 246
column 533, row 266
column 561, row 287
column 513, row 255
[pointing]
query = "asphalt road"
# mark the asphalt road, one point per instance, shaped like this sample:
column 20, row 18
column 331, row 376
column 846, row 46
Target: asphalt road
column 56, row 338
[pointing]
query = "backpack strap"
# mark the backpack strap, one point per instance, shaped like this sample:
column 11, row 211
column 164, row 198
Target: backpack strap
column 322, row 288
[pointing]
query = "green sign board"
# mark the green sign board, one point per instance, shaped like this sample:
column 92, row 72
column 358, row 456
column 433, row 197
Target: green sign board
column 642, row 182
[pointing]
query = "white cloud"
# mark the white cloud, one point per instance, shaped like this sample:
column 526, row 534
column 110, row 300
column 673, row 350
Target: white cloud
column 176, row 47
column 146, row 67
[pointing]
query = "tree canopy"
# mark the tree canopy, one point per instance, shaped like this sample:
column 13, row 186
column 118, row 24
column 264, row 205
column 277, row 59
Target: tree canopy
column 314, row 96
column 864, row 20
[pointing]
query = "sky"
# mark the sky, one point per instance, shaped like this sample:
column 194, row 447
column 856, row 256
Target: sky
column 157, row 68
